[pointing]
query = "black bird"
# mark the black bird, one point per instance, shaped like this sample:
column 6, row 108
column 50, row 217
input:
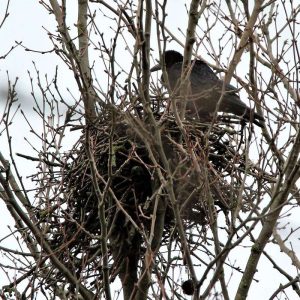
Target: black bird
column 205, row 90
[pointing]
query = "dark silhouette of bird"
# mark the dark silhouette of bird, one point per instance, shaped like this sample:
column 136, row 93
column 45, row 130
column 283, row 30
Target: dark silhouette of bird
column 205, row 90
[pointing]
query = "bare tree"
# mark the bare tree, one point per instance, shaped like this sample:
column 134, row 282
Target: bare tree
column 148, row 202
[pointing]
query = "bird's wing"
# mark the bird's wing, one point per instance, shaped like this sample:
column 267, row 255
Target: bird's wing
column 207, row 90
column 203, row 77
column 203, row 71
column 205, row 85
column 200, row 73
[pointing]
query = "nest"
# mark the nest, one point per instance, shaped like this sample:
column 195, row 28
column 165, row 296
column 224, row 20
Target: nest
column 202, row 164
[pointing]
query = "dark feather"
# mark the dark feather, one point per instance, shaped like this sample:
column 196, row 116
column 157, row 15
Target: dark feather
column 206, row 90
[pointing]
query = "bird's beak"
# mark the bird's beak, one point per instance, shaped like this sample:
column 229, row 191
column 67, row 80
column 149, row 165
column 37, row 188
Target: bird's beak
column 155, row 68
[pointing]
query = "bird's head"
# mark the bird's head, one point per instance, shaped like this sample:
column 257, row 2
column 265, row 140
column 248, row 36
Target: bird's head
column 170, row 57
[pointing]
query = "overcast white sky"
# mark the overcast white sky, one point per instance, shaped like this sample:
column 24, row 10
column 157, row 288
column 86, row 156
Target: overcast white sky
column 25, row 24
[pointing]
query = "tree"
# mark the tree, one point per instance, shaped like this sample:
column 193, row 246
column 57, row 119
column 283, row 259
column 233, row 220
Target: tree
column 145, row 195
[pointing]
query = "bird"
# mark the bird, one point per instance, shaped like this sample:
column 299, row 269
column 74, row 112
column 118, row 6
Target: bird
column 205, row 90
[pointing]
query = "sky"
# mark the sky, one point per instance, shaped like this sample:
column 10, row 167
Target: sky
column 27, row 25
